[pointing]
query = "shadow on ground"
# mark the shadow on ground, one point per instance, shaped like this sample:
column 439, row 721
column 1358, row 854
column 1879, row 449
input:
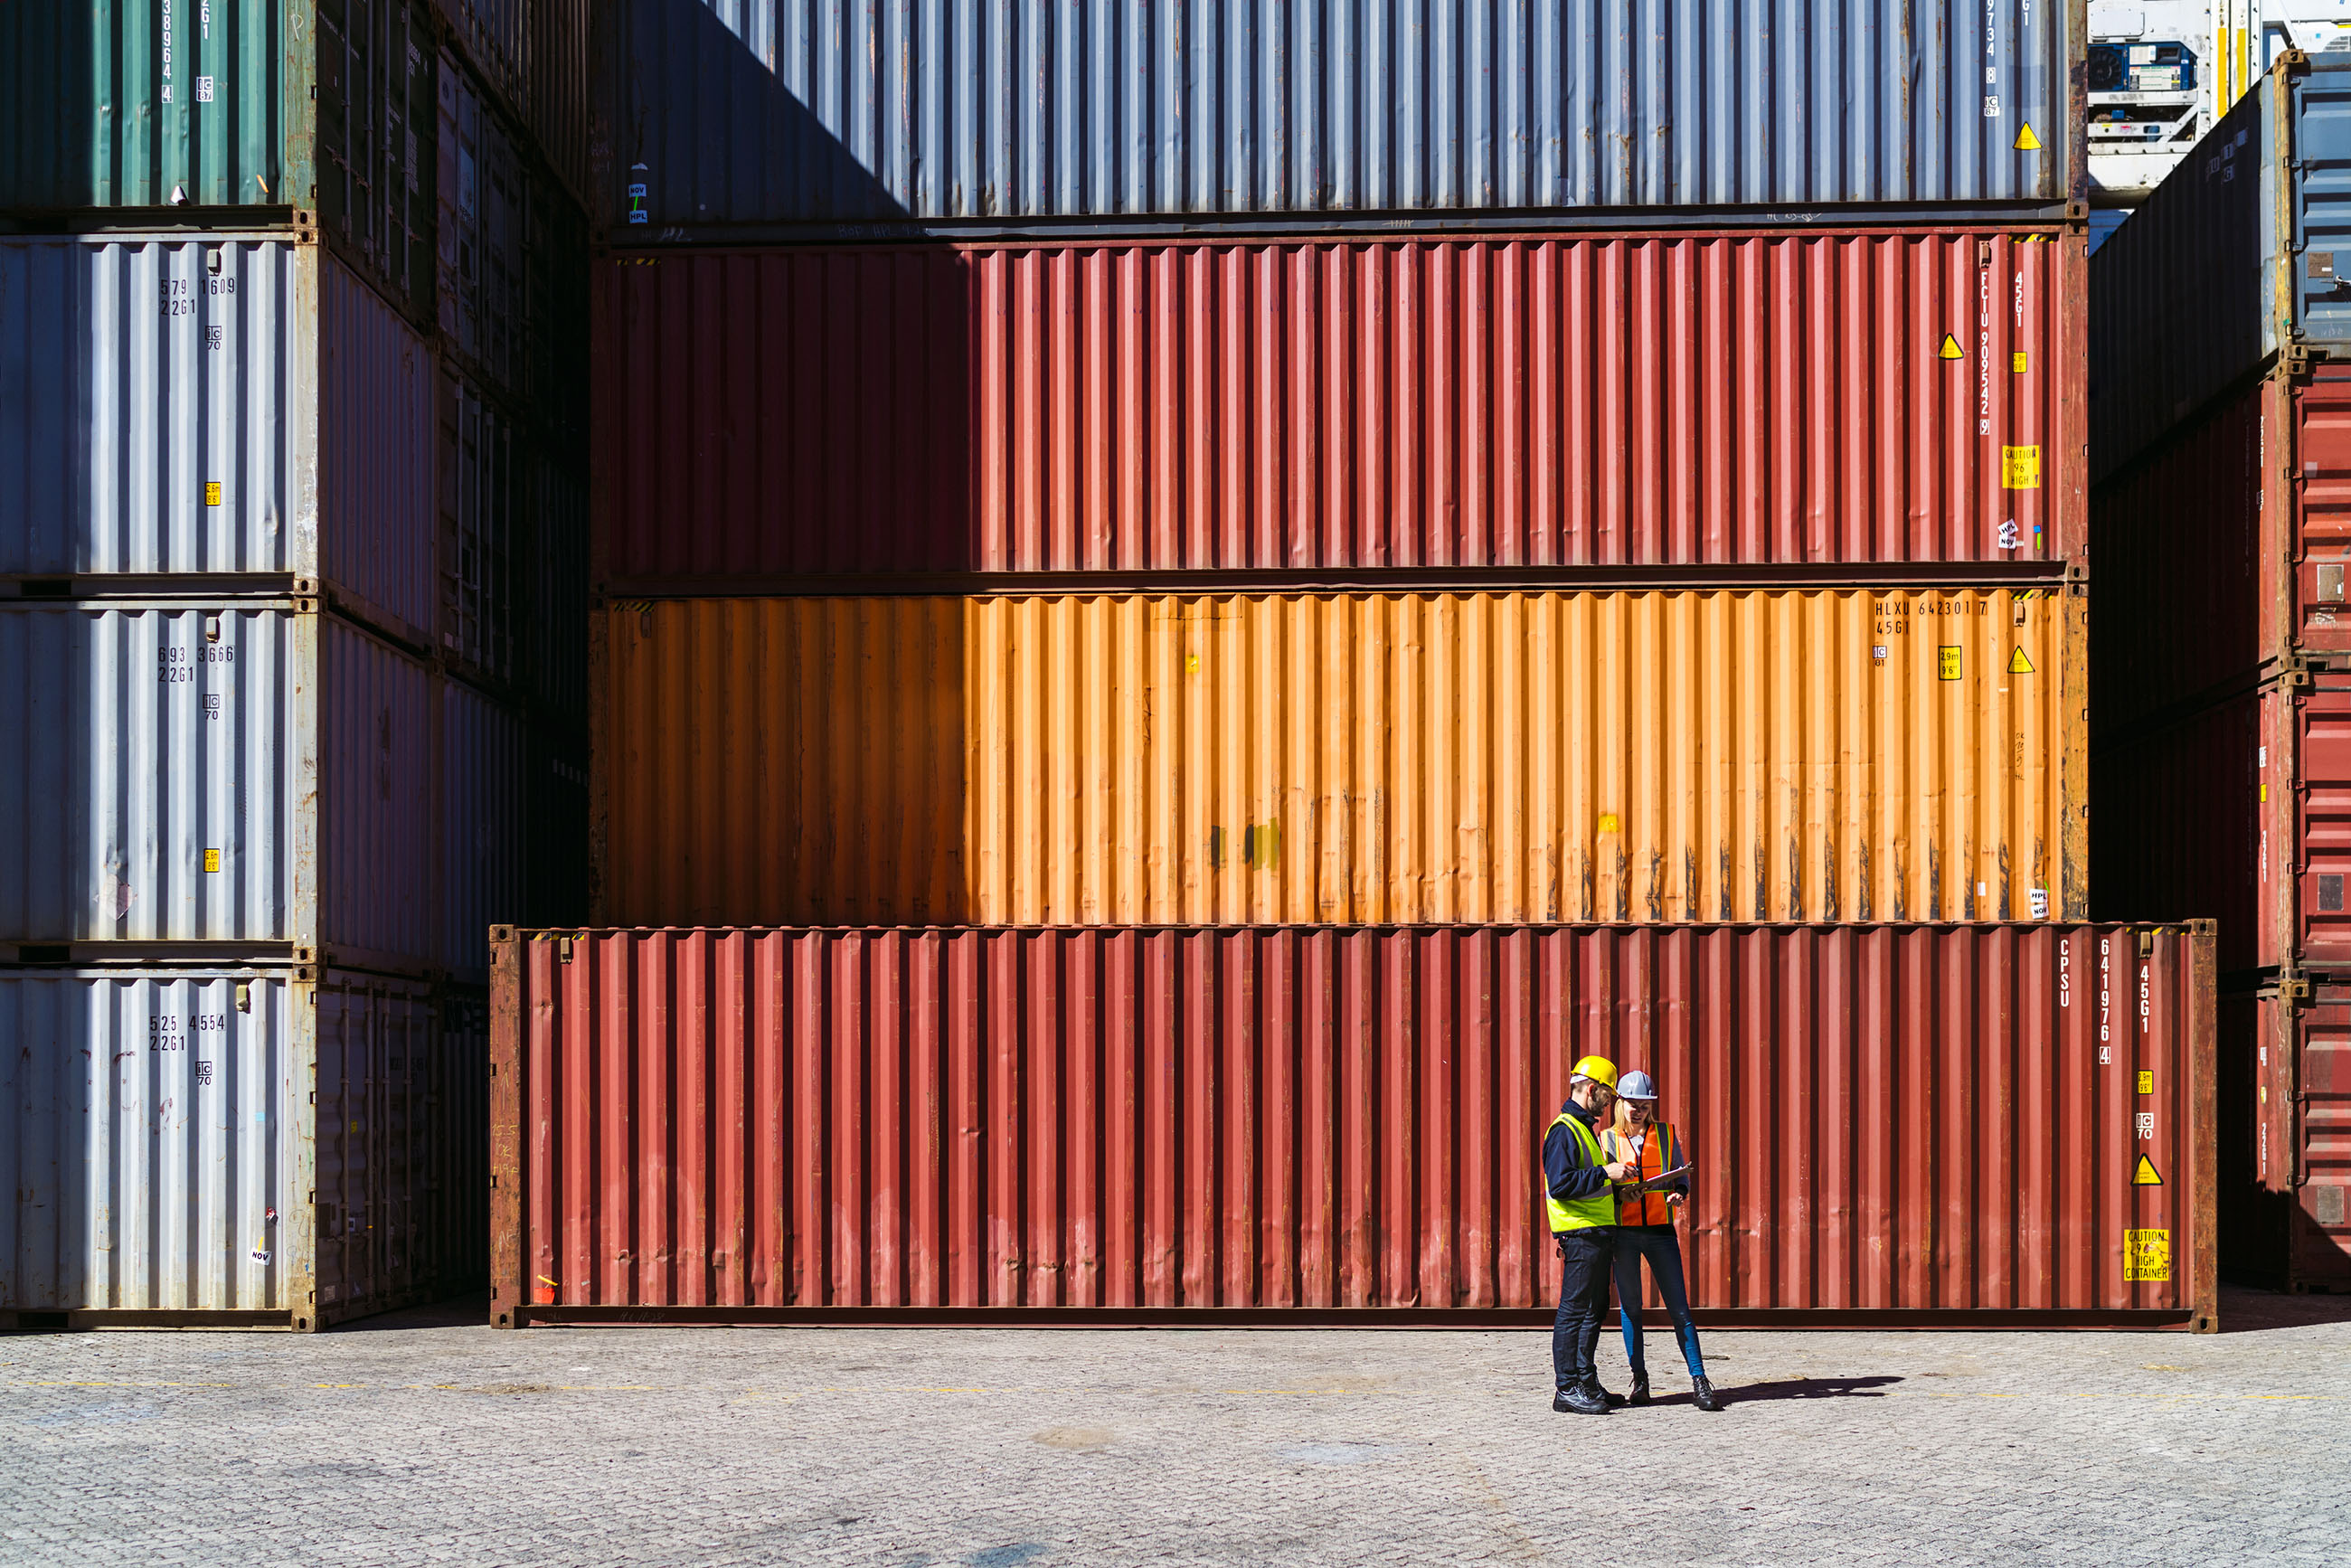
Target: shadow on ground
column 2252, row 1311
column 456, row 1313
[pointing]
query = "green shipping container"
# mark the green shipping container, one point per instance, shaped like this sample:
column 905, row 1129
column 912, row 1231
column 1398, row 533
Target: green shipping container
column 147, row 112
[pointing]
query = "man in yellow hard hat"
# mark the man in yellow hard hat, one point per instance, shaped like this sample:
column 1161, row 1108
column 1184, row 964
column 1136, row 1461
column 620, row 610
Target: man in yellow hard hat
column 1580, row 1198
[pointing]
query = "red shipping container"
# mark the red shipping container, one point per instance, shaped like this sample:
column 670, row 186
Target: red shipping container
column 2285, row 1206
column 2221, row 556
column 2238, row 812
column 1758, row 400
column 2004, row 1124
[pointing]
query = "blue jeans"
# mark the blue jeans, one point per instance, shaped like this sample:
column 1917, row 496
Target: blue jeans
column 1658, row 1244
column 1584, row 1258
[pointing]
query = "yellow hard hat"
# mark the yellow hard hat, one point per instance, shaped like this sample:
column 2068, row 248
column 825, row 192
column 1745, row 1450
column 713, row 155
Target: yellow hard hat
column 1599, row 1069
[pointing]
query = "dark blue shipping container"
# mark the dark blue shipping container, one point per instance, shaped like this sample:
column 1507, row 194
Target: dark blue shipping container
column 755, row 118
column 2242, row 254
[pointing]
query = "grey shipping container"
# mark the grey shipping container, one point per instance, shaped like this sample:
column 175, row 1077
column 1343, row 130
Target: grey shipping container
column 222, row 406
column 236, row 1146
column 2241, row 254
column 148, row 112
column 250, row 773
column 751, row 118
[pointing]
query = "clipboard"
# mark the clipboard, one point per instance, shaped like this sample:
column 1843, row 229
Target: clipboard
column 1652, row 1184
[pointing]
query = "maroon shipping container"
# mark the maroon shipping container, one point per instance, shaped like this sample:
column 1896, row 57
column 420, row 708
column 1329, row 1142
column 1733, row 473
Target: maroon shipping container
column 2238, row 813
column 2221, row 556
column 2287, row 1143
column 1755, row 401
column 1999, row 1124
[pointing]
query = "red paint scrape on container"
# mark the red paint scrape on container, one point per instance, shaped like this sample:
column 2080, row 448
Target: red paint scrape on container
column 1742, row 398
column 1919, row 1123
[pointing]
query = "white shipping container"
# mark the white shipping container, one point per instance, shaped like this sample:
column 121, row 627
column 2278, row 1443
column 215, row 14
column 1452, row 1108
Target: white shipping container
column 230, row 1146
column 216, row 404
column 247, row 772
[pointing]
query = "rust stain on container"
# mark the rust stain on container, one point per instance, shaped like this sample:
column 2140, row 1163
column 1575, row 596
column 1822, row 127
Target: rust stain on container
column 1116, row 759
column 1725, row 399
column 1941, row 1121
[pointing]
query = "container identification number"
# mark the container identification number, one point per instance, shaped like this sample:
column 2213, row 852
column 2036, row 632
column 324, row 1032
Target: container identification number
column 167, row 1033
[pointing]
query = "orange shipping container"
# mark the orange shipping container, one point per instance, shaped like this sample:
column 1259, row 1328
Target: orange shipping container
column 1793, row 754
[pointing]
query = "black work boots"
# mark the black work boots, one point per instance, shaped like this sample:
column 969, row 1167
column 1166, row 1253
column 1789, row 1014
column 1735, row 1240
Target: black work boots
column 1581, row 1399
column 1703, row 1395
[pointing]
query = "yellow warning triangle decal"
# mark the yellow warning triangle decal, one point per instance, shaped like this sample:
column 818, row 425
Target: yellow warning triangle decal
column 2026, row 142
column 2145, row 1175
column 1950, row 348
column 2018, row 664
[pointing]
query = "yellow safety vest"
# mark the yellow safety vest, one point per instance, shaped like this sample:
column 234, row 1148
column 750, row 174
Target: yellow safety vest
column 1579, row 1213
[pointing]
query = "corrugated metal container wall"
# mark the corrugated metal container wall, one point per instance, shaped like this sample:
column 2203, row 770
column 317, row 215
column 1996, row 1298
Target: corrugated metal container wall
column 159, row 103
column 165, row 1155
column 782, row 112
column 158, row 1140
column 1117, row 760
column 399, row 1140
column 718, row 1123
column 2231, row 260
column 492, row 35
column 155, row 785
column 273, row 416
column 377, row 805
column 480, row 235
column 2178, row 539
column 2289, row 1224
column 558, row 111
column 229, row 773
column 2179, row 827
column 1754, row 398
column 484, row 831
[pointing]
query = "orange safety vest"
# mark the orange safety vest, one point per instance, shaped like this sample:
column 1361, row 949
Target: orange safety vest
column 1660, row 1152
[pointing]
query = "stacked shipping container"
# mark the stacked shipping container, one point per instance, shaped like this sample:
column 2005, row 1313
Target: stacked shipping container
column 1378, row 465
column 2221, row 450
column 292, row 562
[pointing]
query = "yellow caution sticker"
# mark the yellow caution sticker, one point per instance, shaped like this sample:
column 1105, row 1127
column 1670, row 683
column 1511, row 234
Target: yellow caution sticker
column 211, row 860
column 2026, row 142
column 1191, row 664
column 2019, row 362
column 212, row 492
column 1950, row 348
column 2020, row 467
column 2144, row 1173
column 2146, row 1256
column 2018, row 664
column 1609, row 823
column 2147, row 1081
column 1947, row 663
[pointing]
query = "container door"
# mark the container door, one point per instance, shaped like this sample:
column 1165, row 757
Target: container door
column 2322, row 1230
column 2322, row 429
column 2323, row 858
column 2322, row 200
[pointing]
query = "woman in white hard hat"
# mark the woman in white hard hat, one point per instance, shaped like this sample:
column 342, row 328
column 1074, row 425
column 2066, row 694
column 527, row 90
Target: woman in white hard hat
column 1646, row 1207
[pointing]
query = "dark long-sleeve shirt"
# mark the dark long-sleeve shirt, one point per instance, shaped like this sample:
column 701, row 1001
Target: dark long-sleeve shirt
column 1567, row 1171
